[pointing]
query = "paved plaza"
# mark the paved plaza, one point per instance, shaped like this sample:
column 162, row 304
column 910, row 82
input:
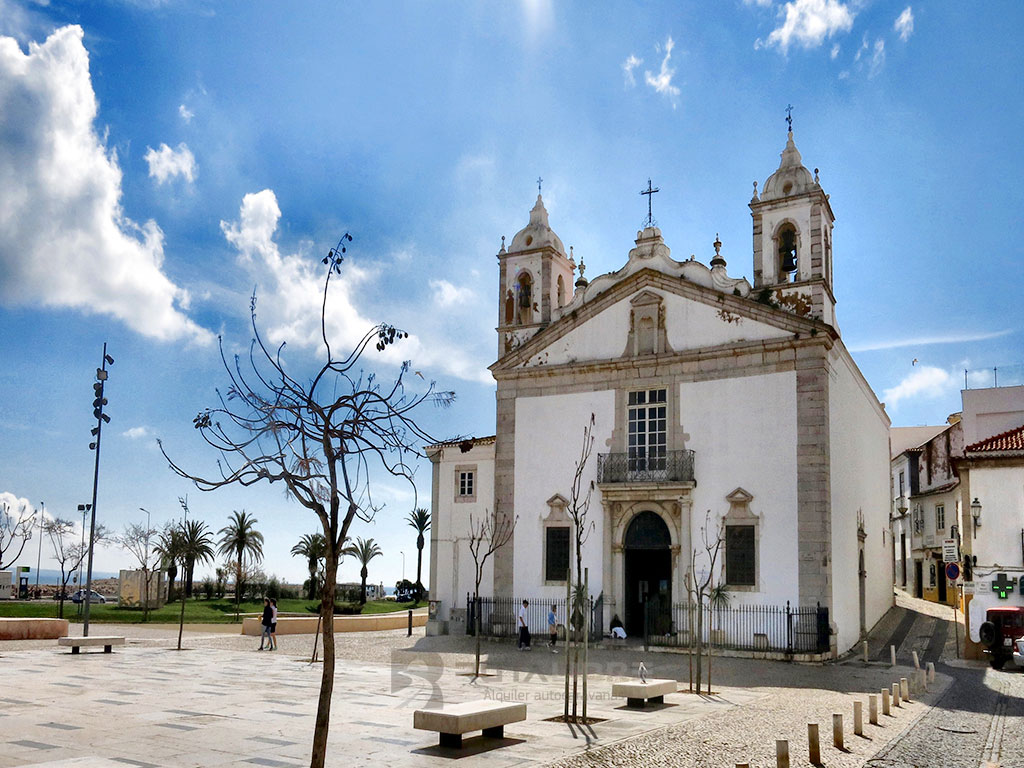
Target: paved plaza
column 221, row 703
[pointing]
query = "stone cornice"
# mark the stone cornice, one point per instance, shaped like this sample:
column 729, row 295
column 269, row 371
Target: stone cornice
column 746, row 308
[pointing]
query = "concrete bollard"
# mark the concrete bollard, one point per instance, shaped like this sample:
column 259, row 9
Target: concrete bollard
column 885, row 702
column 896, row 694
column 931, row 672
column 858, row 718
column 837, row 730
column 922, row 676
column 813, row 744
column 905, row 688
column 892, row 655
column 781, row 753
column 873, row 708
column 864, row 646
column 917, row 661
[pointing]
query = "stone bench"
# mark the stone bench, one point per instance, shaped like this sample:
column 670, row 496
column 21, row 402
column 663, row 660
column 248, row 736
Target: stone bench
column 637, row 693
column 453, row 720
column 76, row 643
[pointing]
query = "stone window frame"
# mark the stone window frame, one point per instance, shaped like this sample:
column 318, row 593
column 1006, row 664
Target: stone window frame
column 780, row 278
column 557, row 517
column 740, row 514
column 677, row 435
column 461, row 498
column 940, row 518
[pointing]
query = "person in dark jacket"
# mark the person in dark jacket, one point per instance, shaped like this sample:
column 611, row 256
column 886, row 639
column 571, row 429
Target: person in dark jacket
column 268, row 622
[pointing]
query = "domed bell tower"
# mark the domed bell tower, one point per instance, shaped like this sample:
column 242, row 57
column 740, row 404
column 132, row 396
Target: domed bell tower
column 535, row 278
column 793, row 239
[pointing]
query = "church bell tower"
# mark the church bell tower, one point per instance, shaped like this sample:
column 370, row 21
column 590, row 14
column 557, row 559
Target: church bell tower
column 536, row 277
column 793, row 239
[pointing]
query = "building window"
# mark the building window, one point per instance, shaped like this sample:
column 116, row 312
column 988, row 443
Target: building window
column 901, row 485
column 648, row 431
column 556, row 553
column 465, row 483
column 740, row 566
column 940, row 517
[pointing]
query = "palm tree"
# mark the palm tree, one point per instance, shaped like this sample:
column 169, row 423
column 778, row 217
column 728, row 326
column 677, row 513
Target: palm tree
column 197, row 538
column 195, row 545
column 419, row 519
column 240, row 538
column 364, row 550
column 313, row 547
column 168, row 546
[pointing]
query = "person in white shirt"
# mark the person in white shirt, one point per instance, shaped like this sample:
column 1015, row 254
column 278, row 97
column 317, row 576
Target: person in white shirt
column 524, row 627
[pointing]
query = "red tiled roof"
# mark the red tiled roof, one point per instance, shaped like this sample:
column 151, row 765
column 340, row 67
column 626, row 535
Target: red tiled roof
column 1013, row 440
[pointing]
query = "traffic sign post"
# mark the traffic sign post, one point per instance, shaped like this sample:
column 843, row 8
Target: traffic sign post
column 952, row 571
column 950, row 551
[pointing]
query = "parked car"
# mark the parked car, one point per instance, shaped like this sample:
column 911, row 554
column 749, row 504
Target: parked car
column 95, row 597
column 1001, row 633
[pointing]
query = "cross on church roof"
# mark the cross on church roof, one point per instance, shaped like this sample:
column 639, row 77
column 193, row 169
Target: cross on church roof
column 650, row 193
column 539, row 182
column 789, row 116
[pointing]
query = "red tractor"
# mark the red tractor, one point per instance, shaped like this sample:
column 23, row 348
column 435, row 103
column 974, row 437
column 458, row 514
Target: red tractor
column 1002, row 634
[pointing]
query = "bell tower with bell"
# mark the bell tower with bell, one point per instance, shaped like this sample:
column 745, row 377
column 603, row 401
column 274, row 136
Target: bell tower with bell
column 793, row 223
column 535, row 280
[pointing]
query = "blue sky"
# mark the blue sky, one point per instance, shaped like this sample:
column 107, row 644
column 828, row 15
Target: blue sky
column 160, row 159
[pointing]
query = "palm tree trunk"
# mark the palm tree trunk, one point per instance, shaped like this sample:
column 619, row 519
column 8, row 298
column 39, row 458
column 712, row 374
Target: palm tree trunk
column 323, row 709
column 362, row 587
column 238, row 584
column 181, row 618
column 419, row 568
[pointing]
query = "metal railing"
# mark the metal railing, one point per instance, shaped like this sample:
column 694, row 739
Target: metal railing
column 666, row 466
column 746, row 628
column 1001, row 376
column 499, row 616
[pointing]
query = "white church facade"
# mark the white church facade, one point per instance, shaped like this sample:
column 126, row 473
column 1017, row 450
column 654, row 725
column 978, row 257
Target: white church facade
column 712, row 399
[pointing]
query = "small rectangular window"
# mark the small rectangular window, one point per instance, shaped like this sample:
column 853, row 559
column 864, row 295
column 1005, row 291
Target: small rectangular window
column 901, row 484
column 940, row 517
column 465, row 483
column 740, row 565
column 556, row 553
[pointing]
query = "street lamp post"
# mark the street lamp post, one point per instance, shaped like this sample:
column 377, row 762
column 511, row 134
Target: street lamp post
column 83, row 508
column 145, row 566
column 97, row 431
column 39, row 555
column 403, row 565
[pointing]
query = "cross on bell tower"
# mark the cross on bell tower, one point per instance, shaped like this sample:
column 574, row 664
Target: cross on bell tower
column 789, row 117
column 650, row 191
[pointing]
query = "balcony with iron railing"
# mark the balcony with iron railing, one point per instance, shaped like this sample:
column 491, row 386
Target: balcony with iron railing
column 666, row 467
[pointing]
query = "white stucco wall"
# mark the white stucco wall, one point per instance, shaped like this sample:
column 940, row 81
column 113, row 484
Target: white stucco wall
column 689, row 325
column 859, row 444
column 989, row 412
column 452, row 567
column 1001, row 493
column 549, row 436
column 743, row 432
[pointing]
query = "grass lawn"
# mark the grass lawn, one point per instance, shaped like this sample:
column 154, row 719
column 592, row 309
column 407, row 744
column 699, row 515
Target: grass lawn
column 197, row 611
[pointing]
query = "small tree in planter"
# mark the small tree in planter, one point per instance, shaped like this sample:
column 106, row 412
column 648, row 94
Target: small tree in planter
column 486, row 536
column 699, row 586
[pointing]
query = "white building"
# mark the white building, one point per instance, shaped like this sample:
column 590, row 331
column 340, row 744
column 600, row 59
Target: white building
column 710, row 396
column 904, row 446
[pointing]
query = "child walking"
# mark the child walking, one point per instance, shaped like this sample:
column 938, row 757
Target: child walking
column 552, row 630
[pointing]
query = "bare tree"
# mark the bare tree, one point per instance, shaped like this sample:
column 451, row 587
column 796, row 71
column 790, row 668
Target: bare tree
column 577, row 609
column 321, row 437
column 67, row 552
column 140, row 542
column 15, row 531
column 701, row 586
column 486, row 536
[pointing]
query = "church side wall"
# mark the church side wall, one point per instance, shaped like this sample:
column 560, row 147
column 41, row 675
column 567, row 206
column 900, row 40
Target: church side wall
column 548, row 440
column 859, row 459
column 743, row 431
column 451, row 563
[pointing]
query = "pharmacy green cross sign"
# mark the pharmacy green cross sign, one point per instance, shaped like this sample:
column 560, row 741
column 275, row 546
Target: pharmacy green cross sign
column 1003, row 586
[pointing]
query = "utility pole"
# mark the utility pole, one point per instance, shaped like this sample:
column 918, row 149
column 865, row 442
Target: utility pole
column 39, row 556
column 97, row 431
column 83, row 508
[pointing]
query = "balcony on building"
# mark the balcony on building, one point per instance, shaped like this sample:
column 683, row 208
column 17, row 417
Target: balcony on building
column 661, row 467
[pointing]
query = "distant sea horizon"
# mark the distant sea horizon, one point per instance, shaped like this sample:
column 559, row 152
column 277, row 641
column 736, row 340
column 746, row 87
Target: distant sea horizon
column 50, row 576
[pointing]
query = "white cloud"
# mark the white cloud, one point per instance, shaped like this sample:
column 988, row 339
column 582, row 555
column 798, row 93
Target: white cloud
column 904, row 25
column 290, row 295
column 628, row 66
column 835, row 52
column 662, row 82
column 810, row 23
column 136, row 433
column 758, row 3
column 917, row 341
column 166, row 163
column 925, row 381
column 447, row 295
column 64, row 238
column 877, row 58
column 186, row 113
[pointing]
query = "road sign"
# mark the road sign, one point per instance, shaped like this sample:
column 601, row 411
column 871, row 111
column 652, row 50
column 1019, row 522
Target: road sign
column 968, row 587
column 950, row 551
column 952, row 571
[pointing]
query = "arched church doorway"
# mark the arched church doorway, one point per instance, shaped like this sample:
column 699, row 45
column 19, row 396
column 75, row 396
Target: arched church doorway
column 648, row 579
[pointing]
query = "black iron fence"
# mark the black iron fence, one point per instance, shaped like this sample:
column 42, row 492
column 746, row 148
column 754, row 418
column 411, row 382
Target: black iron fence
column 499, row 616
column 743, row 627
column 654, row 467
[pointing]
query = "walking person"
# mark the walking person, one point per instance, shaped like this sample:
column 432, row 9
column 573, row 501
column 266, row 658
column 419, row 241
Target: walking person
column 524, row 627
column 552, row 630
column 266, row 621
column 273, row 623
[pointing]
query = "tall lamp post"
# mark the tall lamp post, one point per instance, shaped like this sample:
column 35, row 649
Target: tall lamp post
column 145, row 566
column 39, row 554
column 403, row 565
column 97, row 431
